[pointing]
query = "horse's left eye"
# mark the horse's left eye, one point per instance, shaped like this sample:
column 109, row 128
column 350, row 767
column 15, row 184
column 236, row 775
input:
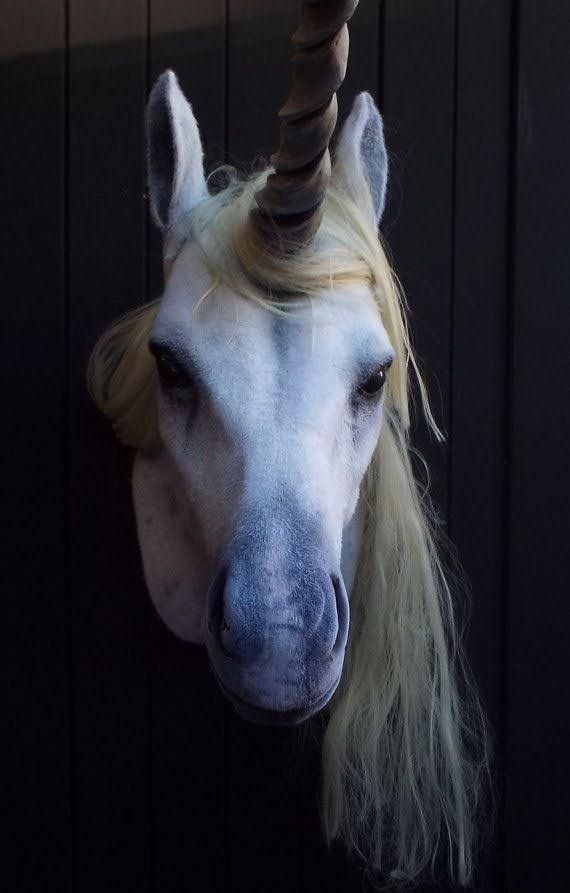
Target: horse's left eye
column 373, row 384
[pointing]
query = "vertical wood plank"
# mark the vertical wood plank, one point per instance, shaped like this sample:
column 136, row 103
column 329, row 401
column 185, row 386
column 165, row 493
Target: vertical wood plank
column 108, row 598
column 190, row 39
column 35, row 791
column 479, row 321
column 538, row 662
column 188, row 746
column 259, row 69
column 363, row 69
column 478, row 407
column 418, row 104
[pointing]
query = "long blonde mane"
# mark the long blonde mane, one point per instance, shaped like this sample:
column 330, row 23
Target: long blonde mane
column 405, row 755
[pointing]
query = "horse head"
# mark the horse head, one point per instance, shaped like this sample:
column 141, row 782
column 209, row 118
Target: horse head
column 266, row 394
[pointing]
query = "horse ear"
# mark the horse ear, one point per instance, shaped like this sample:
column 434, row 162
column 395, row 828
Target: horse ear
column 361, row 161
column 174, row 154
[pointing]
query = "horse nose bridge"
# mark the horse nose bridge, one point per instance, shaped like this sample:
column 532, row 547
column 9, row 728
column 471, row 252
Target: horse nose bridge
column 287, row 472
column 283, row 588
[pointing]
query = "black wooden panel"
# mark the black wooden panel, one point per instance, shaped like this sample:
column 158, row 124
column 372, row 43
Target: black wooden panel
column 478, row 429
column 478, row 413
column 538, row 616
column 262, row 821
column 36, row 836
column 365, row 32
column 108, row 598
column 188, row 711
column 258, row 76
column 418, row 104
column 188, row 781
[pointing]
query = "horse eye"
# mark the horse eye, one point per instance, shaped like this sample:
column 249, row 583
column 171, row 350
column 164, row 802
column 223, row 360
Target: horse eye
column 374, row 383
column 172, row 374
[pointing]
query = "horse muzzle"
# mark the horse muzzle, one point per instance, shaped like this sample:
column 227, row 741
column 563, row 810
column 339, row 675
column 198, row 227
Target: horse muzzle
column 276, row 641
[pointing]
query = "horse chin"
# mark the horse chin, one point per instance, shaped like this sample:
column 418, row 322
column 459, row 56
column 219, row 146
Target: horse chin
column 265, row 717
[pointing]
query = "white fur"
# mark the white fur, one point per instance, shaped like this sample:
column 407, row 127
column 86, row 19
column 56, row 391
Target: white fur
column 274, row 418
column 177, row 571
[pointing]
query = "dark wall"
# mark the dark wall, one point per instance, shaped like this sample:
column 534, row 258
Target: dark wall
column 125, row 768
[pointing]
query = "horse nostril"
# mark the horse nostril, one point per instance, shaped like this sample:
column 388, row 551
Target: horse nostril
column 217, row 623
column 342, row 613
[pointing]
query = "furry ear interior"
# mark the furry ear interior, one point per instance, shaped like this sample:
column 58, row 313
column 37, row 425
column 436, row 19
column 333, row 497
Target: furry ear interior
column 361, row 161
column 174, row 154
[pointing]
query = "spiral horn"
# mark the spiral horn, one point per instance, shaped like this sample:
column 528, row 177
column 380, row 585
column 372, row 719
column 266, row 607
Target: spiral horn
column 289, row 207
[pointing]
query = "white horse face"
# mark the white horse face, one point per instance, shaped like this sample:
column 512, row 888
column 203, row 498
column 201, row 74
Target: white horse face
column 270, row 422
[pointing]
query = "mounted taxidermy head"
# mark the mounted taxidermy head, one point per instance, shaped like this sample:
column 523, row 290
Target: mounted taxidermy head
column 266, row 395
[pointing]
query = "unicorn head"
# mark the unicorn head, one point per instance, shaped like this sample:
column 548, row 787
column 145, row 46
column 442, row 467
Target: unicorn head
column 269, row 420
column 280, row 525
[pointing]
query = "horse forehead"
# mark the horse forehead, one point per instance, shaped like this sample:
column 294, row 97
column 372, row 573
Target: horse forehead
column 228, row 332
column 214, row 322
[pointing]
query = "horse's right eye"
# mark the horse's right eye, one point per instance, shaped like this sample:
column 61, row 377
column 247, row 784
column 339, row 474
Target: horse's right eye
column 172, row 373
